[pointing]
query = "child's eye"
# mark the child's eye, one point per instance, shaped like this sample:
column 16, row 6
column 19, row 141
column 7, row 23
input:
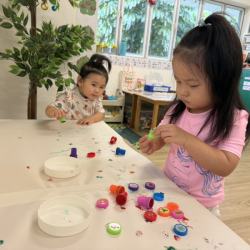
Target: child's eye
column 194, row 86
column 93, row 85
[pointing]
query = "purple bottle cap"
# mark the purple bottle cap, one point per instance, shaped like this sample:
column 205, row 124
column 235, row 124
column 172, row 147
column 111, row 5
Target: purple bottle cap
column 150, row 185
column 133, row 186
column 73, row 153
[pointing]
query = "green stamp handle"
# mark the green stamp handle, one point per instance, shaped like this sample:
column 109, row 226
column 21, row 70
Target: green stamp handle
column 62, row 119
column 151, row 136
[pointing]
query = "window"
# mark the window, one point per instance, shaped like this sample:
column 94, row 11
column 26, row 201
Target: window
column 153, row 30
column 210, row 8
column 107, row 16
column 133, row 25
column 235, row 18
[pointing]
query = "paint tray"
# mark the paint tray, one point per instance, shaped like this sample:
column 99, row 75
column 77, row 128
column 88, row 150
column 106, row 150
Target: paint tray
column 64, row 215
column 62, row 167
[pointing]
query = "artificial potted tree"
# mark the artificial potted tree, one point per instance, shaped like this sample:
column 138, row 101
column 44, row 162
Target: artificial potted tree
column 43, row 49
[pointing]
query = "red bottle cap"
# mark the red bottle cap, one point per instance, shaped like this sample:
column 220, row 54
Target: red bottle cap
column 150, row 216
column 91, row 155
column 121, row 199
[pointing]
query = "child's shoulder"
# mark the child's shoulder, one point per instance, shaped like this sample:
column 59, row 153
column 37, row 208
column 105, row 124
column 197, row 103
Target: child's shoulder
column 240, row 116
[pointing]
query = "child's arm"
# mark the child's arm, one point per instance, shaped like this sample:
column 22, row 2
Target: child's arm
column 217, row 161
column 97, row 117
column 148, row 146
column 52, row 112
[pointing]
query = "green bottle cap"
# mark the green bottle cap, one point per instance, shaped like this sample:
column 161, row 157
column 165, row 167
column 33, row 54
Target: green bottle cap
column 114, row 228
column 63, row 120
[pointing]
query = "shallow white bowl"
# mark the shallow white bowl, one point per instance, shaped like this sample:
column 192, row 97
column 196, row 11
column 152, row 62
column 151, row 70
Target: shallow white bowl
column 63, row 167
column 64, row 215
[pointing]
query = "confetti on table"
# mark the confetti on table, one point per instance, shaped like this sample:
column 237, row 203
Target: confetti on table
column 28, row 167
column 132, row 172
column 50, row 179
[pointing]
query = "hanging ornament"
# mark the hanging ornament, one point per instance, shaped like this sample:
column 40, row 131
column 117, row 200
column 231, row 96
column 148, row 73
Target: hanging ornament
column 44, row 6
column 81, row 50
column 153, row 2
column 54, row 8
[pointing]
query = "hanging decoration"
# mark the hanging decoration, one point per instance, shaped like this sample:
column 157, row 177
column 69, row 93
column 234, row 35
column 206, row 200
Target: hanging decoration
column 44, row 5
column 54, row 8
column 151, row 2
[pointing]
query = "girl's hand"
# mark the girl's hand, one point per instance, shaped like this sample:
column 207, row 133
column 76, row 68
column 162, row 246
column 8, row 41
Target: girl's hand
column 172, row 134
column 147, row 146
column 58, row 114
column 86, row 120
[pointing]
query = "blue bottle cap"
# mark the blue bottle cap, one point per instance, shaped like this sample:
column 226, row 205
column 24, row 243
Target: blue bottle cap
column 150, row 185
column 133, row 186
column 180, row 230
column 120, row 151
column 158, row 196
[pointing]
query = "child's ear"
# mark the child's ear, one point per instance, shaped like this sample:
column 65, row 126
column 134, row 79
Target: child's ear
column 79, row 81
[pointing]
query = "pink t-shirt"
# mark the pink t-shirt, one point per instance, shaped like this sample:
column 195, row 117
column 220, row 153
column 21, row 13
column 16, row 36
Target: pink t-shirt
column 204, row 186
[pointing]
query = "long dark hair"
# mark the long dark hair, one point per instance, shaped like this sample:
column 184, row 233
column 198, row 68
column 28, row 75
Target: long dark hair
column 215, row 49
column 95, row 66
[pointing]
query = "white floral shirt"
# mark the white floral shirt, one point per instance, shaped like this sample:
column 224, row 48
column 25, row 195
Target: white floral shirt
column 75, row 105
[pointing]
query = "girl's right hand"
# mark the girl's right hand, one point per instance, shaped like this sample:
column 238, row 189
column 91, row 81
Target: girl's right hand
column 147, row 146
column 58, row 114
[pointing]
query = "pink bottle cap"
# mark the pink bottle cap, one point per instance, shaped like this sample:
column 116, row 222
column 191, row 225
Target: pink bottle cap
column 102, row 203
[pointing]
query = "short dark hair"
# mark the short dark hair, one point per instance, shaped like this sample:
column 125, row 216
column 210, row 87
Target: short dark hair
column 215, row 49
column 95, row 66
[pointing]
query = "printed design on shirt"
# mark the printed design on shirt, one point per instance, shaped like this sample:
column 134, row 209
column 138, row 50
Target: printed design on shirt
column 59, row 105
column 211, row 184
column 78, row 112
column 72, row 117
column 85, row 107
column 181, row 163
column 72, row 106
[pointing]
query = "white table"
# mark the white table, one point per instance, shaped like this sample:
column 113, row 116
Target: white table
column 27, row 144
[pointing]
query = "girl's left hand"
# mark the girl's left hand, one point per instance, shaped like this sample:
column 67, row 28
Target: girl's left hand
column 170, row 133
column 86, row 120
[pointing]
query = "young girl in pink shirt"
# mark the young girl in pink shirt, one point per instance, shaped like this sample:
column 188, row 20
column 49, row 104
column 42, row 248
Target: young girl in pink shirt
column 207, row 125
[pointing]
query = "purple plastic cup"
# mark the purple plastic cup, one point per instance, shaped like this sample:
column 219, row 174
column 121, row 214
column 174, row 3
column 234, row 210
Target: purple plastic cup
column 147, row 202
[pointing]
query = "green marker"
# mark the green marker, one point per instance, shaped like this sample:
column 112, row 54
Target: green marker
column 62, row 119
column 151, row 136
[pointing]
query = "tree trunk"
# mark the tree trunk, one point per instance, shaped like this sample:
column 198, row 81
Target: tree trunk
column 32, row 99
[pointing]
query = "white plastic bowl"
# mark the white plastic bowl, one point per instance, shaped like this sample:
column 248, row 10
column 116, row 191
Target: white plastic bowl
column 62, row 167
column 64, row 215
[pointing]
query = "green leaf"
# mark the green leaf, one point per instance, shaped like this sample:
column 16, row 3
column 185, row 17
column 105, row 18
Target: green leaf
column 38, row 84
column 42, row 81
column 8, row 51
column 70, row 73
column 18, row 26
column 53, row 69
column 67, row 39
column 19, row 42
column 60, row 88
column 14, row 71
column 51, row 57
column 50, row 83
column 22, row 16
column 22, row 74
column 1, row 19
column 46, row 86
column 41, row 60
column 63, row 44
column 76, row 5
column 54, row 2
column 6, row 25
column 36, row 58
column 21, row 65
column 18, row 8
column 17, row 19
column 6, row 12
column 25, row 56
column 26, row 20
column 62, row 28
column 17, row 52
column 14, row 67
column 67, row 82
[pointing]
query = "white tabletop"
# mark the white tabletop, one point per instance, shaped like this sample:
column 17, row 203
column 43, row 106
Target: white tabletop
column 27, row 144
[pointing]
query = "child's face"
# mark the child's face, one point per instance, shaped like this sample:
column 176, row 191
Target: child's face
column 92, row 87
column 191, row 87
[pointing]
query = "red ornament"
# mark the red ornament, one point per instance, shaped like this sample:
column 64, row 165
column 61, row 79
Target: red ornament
column 150, row 1
column 153, row 2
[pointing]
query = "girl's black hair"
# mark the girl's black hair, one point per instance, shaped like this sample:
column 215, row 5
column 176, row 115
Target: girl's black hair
column 95, row 66
column 216, row 50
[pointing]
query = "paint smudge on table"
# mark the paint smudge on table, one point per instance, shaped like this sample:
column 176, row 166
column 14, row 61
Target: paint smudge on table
column 132, row 172
column 177, row 238
column 28, row 167
column 139, row 233
column 99, row 177
column 19, row 137
column 110, row 160
column 99, row 171
column 123, row 207
column 62, row 151
column 50, row 179
column 1, row 242
column 164, row 234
